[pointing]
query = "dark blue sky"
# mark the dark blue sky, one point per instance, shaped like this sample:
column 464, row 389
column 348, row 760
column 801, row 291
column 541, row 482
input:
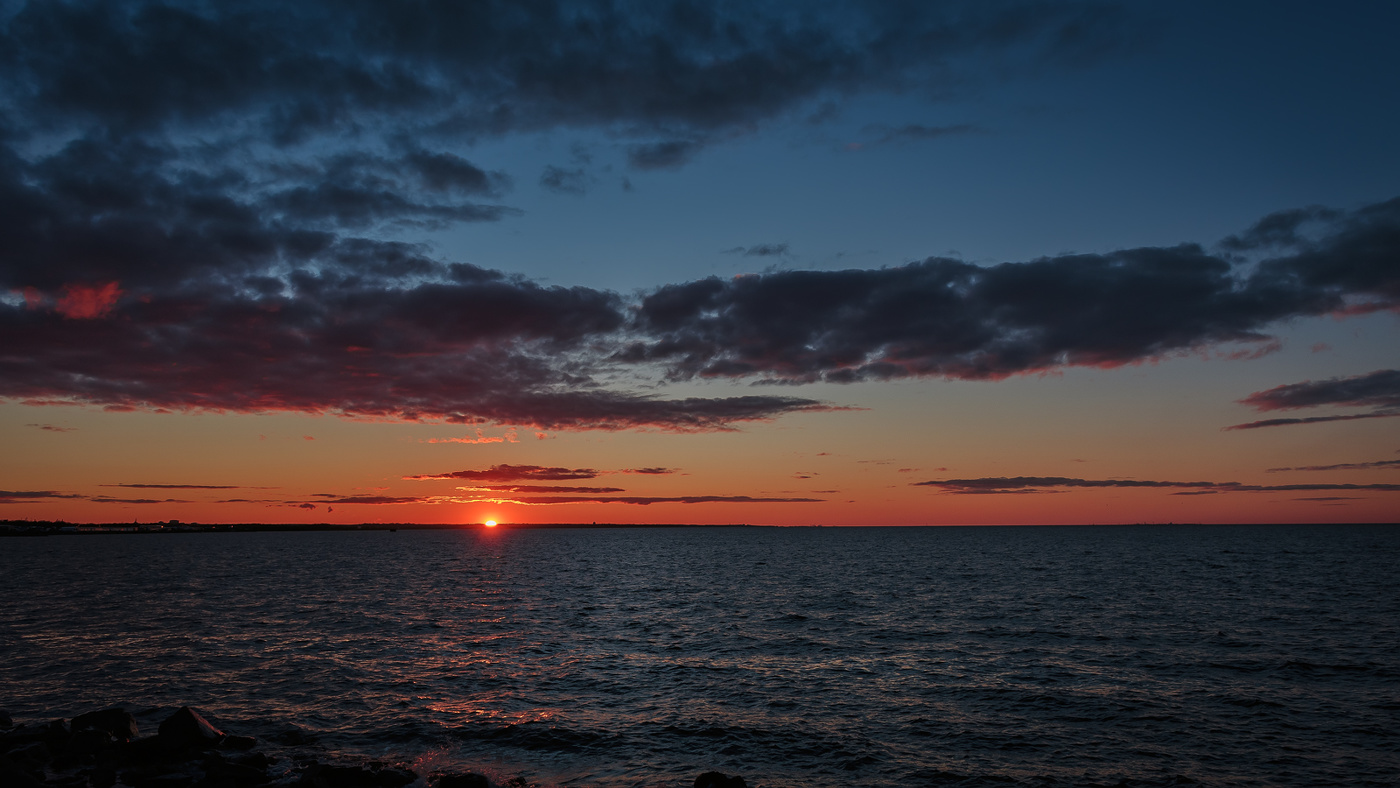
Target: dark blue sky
column 601, row 218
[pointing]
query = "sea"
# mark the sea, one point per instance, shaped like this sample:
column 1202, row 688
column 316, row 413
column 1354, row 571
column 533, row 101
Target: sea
column 969, row 656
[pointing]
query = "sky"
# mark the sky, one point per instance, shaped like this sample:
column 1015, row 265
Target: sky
column 790, row 263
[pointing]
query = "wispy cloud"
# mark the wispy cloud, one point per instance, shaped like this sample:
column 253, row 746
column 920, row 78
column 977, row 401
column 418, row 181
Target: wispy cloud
column 1379, row 390
column 644, row 500
column 1013, row 484
column 1344, row 466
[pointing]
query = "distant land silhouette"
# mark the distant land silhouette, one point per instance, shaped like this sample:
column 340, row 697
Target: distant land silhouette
column 61, row 527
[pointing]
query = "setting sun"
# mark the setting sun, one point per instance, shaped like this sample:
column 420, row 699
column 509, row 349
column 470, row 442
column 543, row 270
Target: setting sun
column 490, row 523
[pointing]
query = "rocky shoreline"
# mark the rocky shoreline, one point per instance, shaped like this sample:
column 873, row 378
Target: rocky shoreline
column 105, row 749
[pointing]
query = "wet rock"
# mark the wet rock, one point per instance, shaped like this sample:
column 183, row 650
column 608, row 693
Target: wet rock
column 717, row 780
column 116, row 722
column 238, row 743
column 102, row 777
column 87, row 743
column 235, row 774
column 468, row 780
column 186, row 728
column 319, row 775
column 31, row 757
column 16, row 774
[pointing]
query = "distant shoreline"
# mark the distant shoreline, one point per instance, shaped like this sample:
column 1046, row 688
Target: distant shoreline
column 62, row 528
column 31, row 528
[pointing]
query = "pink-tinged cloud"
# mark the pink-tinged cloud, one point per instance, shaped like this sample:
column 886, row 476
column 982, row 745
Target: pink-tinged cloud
column 186, row 486
column 481, row 438
column 377, row 500
column 1012, row 484
column 538, row 488
column 143, row 501
column 645, row 500
column 647, row 471
column 88, row 302
column 512, row 473
column 52, row 428
column 29, row 496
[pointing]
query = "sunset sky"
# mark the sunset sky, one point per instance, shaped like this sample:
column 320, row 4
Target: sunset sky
column 700, row 262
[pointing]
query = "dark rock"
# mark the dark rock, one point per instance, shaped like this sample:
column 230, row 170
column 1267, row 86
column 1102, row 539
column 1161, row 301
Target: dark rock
column 717, row 780
column 236, row 774
column 322, row 776
column 186, row 728
column 239, row 743
column 87, row 743
column 143, row 751
column 16, row 774
column 103, row 777
column 172, row 780
column 116, row 722
column 31, row 757
column 6, row 721
column 255, row 759
column 468, row 780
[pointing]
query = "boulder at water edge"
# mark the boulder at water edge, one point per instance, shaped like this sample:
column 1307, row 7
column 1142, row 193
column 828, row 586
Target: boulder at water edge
column 117, row 723
column 717, row 780
column 468, row 780
column 187, row 728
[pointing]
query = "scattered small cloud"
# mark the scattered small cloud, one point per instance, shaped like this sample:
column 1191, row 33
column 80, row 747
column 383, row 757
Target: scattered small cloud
column 510, row 436
column 759, row 250
column 52, row 428
column 912, row 132
column 567, row 180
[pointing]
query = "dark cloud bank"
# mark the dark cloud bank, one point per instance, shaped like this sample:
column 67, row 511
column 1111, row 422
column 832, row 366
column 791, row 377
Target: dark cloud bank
column 199, row 208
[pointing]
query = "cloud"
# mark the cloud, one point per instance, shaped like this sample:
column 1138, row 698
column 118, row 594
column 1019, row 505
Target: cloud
column 539, row 488
column 948, row 318
column 1379, row 390
column 186, row 487
column 1345, row 466
column 1328, row 498
column 566, row 180
column 374, row 500
column 646, row 500
column 1254, row 425
column 1014, row 484
column 141, row 501
column 914, row 132
column 508, row 437
column 666, row 155
column 86, row 302
column 52, row 428
column 653, row 471
column 27, row 496
column 760, row 250
column 511, row 473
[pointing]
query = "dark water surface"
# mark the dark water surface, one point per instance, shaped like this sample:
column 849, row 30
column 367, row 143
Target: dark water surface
column 1232, row 655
